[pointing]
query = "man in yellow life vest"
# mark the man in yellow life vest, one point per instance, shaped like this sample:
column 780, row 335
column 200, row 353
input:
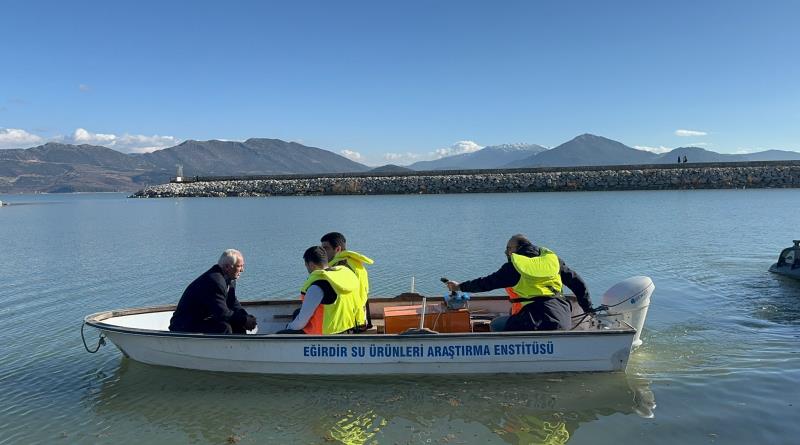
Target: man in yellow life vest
column 335, row 246
column 330, row 298
column 533, row 278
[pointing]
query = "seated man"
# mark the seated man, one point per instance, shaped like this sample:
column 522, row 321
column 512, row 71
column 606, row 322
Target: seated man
column 209, row 304
column 330, row 298
column 335, row 246
column 533, row 278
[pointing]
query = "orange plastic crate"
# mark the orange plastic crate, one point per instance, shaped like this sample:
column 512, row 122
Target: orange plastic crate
column 397, row 319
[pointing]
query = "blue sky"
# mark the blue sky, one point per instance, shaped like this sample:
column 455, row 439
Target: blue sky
column 385, row 81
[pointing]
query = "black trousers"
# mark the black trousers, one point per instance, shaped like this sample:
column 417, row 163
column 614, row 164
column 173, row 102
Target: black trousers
column 542, row 314
column 215, row 327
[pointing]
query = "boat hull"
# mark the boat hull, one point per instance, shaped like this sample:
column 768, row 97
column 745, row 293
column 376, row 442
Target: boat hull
column 444, row 354
column 785, row 270
column 357, row 354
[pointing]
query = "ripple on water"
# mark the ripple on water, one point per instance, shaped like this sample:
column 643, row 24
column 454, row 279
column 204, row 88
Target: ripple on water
column 720, row 351
column 266, row 407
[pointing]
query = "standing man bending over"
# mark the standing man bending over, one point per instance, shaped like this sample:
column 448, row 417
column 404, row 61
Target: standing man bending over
column 335, row 246
column 533, row 278
column 330, row 298
column 209, row 304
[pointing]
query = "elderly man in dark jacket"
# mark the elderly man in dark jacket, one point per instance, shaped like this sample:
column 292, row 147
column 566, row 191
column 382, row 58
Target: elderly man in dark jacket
column 209, row 304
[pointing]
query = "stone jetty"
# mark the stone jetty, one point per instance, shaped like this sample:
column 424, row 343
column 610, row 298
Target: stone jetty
column 771, row 174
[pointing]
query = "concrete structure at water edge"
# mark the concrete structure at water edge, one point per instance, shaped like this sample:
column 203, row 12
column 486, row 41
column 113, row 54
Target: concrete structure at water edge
column 768, row 174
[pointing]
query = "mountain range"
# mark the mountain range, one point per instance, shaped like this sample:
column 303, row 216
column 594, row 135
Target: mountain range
column 591, row 150
column 55, row 167
column 494, row 156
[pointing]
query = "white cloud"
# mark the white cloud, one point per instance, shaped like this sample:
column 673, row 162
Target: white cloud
column 84, row 137
column 84, row 88
column 16, row 138
column 401, row 158
column 697, row 144
column 458, row 148
column 689, row 133
column 660, row 149
column 350, row 154
column 127, row 143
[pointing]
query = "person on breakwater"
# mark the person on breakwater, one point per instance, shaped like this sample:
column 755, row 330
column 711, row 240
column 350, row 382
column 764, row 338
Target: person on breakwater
column 533, row 278
column 330, row 298
column 335, row 246
column 209, row 304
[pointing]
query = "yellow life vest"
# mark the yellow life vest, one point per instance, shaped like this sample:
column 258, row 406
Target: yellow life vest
column 356, row 261
column 340, row 315
column 539, row 277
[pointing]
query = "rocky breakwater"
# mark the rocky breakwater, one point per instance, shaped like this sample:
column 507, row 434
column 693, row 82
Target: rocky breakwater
column 652, row 177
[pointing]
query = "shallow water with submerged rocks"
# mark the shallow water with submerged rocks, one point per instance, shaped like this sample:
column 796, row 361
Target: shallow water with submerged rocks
column 720, row 361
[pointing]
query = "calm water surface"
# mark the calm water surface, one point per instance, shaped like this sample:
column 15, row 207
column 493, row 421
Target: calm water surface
column 720, row 361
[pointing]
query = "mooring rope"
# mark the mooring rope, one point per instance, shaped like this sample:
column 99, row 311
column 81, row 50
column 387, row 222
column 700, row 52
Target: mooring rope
column 100, row 342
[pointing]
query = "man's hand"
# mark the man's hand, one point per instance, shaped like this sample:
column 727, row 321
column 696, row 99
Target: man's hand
column 452, row 286
column 250, row 323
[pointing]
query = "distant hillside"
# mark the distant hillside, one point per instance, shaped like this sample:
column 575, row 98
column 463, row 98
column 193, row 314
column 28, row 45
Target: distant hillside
column 591, row 150
column 69, row 168
column 391, row 168
column 251, row 157
column 77, row 154
column 695, row 154
column 495, row 156
column 772, row 155
column 587, row 150
column 72, row 168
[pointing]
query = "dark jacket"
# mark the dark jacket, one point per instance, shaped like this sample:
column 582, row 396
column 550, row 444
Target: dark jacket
column 508, row 276
column 209, row 298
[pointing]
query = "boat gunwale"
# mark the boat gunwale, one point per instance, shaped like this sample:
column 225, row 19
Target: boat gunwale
column 95, row 320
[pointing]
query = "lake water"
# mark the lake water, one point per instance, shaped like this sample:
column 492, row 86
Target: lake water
column 720, row 361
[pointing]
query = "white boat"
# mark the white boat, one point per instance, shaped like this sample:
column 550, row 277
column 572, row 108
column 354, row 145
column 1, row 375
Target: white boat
column 597, row 342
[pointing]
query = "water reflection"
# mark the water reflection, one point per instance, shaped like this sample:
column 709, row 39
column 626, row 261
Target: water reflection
column 218, row 408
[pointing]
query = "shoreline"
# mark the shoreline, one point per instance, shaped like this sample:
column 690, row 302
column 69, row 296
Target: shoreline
column 769, row 174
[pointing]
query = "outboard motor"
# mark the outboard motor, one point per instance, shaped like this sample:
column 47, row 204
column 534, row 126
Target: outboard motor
column 627, row 301
column 789, row 261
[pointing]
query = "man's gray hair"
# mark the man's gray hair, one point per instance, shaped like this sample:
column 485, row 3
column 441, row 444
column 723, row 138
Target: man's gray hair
column 228, row 257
